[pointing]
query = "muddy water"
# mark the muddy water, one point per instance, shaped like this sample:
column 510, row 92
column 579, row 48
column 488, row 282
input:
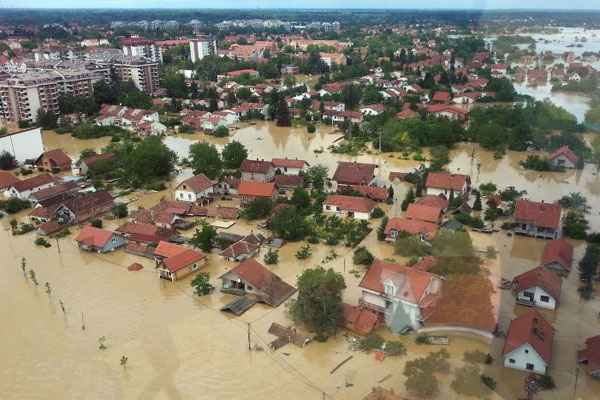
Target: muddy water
column 182, row 347
column 574, row 103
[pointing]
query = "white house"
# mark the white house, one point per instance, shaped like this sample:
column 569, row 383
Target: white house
column 443, row 183
column 538, row 287
column 528, row 345
column 23, row 189
column 349, row 206
column 196, row 188
column 372, row 109
column 286, row 166
column 400, row 294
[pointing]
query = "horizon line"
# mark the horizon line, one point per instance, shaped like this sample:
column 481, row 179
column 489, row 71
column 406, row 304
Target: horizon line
column 512, row 9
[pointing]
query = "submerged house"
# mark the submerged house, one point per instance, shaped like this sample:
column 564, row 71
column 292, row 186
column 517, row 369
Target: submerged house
column 396, row 226
column 538, row 287
column 252, row 278
column 353, row 173
column 444, row 183
column 181, row 264
column 563, row 157
column 99, row 240
column 590, row 356
column 528, row 345
column 246, row 247
column 558, row 256
column 195, row 189
column 538, row 219
column 349, row 206
column 402, row 296
column 53, row 160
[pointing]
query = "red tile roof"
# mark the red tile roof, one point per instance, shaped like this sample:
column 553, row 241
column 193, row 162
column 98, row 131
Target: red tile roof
column 261, row 278
column 359, row 320
column 412, row 227
column 438, row 108
column 256, row 166
column 7, row 179
column 446, row 181
column 433, row 201
column 350, row 203
column 545, row 215
column 441, row 96
column 353, row 173
column 183, row 259
column 239, row 248
column 565, row 151
column 256, row 189
column 33, row 182
column 60, row 158
column 288, row 163
column 94, row 237
column 424, row 213
column 167, row 249
column 591, row 354
column 530, row 328
column 373, row 192
column 198, row 183
column 538, row 277
column 559, row 251
column 415, row 281
column 283, row 181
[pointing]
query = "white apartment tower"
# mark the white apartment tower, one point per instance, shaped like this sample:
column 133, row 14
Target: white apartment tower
column 201, row 47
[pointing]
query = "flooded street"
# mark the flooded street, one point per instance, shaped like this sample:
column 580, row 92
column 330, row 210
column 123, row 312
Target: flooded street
column 180, row 346
column 576, row 104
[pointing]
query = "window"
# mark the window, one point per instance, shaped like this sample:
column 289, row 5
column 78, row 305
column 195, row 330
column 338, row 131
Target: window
column 545, row 299
column 530, row 367
column 511, row 360
column 526, row 351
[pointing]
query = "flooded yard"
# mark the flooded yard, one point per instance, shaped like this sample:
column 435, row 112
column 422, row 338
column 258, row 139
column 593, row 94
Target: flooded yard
column 180, row 346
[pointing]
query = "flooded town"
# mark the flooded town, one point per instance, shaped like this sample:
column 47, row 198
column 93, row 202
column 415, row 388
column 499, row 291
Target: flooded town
column 377, row 206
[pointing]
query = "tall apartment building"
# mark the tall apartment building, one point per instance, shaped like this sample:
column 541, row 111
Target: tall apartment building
column 138, row 47
column 23, row 95
column 143, row 73
column 201, row 47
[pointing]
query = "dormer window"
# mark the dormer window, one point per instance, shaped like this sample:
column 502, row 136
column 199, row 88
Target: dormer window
column 389, row 289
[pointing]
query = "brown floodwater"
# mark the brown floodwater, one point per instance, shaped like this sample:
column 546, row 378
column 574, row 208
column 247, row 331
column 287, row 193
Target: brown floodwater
column 180, row 346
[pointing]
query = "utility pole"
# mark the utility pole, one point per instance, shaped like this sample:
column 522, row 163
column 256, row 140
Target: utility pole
column 249, row 344
column 58, row 245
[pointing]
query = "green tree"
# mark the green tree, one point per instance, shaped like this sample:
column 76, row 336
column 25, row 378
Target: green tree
column 47, row 119
column 408, row 199
column 362, row 256
column 147, row 161
column 221, row 131
column 234, row 153
column 317, row 176
column 205, row 159
column 319, row 303
column 271, row 257
column 289, row 224
column 300, row 198
column 119, row 210
column 7, row 161
column 201, row 284
column 204, row 239
column 257, row 209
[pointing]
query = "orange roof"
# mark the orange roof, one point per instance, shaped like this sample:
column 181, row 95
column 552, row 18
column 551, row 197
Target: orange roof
column 545, row 215
column 183, row 259
column 411, row 226
column 359, row 320
column 288, row 163
column 560, row 251
column 256, row 189
column 433, row 201
column 530, row 328
column 93, row 237
column 167, row 249
column 350, row 203
column 413, row 281
column 539, row 277
column 424, row 213
column 445, row 180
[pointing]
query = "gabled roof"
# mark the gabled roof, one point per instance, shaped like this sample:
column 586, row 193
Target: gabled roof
column 283, row 181
column 198, row 183
column 412, row 227
column 256, row 189
column 425, row 213
column 359, row 320
column 256, row 166
column 56, row 155
column 183, row 259
column 167, row 249
column 350, row 203
column 353, row 173
column 539, row 277
column 288, row 163
column 239, row 248
column 372, row 192
column 94, row 237
column 261, row 278
column 441, row 96
column 433, row 201
column 7, row 179
column 564, row 151
column 447, row 181
column 546, row 215
column 559, row 251
column 411, row 283
column 33, row 182
column 530, row 328
column 591, row 354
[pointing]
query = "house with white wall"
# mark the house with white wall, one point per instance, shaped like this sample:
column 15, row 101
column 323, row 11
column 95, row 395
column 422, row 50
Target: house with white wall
column 529, row 342
column 194, row 189
column 539, row 287
column 349, row 206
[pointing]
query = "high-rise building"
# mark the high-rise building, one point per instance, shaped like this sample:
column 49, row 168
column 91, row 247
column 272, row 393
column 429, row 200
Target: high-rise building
column 138, row 47
column 23, row 95
column 201, row 47
column 143, row 73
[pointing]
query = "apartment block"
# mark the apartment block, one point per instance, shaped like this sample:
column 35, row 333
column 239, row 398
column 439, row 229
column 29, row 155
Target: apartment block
column 201, row 47
column 138, row 47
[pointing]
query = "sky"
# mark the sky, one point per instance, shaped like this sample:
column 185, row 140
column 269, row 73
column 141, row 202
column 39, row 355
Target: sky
column 254, row 4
